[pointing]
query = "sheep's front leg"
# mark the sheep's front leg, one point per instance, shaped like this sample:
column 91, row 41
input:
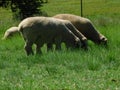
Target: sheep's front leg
column 49, row 47
column 58, row 43
column 58, row 46
column 38, row 48
column 28, row 48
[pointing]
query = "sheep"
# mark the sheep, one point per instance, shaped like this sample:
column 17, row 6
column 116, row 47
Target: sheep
column 41, row 30
column 85, row 26
column 10, row 32
column 83, row 39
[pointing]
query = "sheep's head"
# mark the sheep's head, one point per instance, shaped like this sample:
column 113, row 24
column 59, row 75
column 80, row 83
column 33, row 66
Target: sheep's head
column 84, row 43
column 103, row 40
column 77, row 43
column 73, row 44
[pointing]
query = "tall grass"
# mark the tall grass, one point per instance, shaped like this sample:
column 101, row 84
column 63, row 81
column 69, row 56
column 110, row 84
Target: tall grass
column 95, row 69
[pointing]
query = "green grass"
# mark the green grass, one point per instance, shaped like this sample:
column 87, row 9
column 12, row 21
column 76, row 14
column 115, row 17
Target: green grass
column 95, row 69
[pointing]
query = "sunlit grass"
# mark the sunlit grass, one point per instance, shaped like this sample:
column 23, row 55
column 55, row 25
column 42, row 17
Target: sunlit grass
column 95, row 69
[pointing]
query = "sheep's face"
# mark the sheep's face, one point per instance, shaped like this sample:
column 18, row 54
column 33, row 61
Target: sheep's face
column 84, row 43
column 102, row 41
column 75, row 44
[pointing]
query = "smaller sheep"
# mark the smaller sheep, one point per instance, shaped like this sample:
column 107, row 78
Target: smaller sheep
column 41, row 30
column 85, row 26
column 84, row 43
column 10, row 32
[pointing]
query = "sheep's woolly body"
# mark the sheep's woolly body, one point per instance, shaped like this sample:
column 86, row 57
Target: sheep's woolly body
column 40, row 30
column 85, row 26
column 10, row 32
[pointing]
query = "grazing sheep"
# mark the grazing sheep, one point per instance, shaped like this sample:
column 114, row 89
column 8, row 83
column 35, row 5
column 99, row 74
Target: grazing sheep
column 85, row 26
column 41, row 30
column 10, row 32
column 71, row 27
column 77, row 33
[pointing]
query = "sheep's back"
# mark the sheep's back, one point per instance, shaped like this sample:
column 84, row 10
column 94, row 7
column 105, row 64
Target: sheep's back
column 42, row 27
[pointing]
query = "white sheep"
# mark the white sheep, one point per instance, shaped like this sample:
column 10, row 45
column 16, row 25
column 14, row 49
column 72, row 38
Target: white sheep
column 85, row 26
column 10, row 32
column 41, row 30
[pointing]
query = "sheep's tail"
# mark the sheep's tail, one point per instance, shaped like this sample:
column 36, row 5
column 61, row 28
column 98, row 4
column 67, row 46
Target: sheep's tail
column 4, row 37
column 8, row 33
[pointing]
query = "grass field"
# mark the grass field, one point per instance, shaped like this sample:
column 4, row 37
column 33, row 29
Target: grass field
column 95, row 69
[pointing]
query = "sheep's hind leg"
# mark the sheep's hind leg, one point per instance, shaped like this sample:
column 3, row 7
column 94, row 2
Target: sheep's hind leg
column 28, row 48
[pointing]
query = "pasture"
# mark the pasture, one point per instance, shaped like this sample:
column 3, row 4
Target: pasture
column 95, row 69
